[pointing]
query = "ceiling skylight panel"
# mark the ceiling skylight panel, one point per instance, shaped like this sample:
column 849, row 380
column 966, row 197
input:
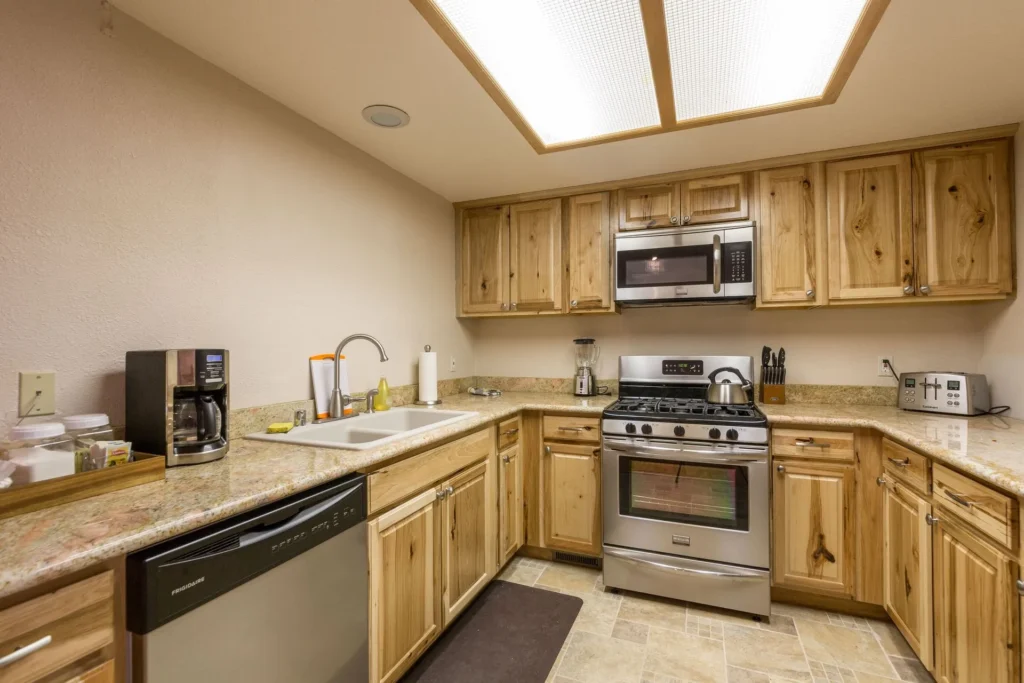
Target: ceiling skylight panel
column 574, row 69
column 733, row 55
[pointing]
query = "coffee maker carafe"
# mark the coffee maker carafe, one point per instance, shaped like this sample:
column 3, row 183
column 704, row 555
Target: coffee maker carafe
column 177, row 404
column 587, row 353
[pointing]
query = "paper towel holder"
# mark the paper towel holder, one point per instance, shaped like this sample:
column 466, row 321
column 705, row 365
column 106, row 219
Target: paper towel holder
column 436, row 402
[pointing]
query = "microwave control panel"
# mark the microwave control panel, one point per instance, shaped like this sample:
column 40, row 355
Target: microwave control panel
column 737, row 262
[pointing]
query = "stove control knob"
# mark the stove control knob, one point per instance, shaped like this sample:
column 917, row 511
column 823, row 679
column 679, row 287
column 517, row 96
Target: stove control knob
column 631, row 428
column 732, row 435
column 679, row 431
column 646, row 429
column 714, row 433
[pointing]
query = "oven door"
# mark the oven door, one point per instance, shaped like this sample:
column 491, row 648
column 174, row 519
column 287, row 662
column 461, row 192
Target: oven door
column 681, row 264
column 694, row 499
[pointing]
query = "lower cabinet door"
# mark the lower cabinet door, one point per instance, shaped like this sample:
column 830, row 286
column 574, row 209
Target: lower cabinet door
column 572, row 498
column 510, row 505
column 907, row 566
column 104, row 673
column 814, row 526
column 468, row 533
column 976, row 609
column 405, row 605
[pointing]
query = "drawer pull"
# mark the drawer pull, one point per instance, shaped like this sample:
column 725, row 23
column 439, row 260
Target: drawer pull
column 880, row 481
column 23, row 652
column 511, row 432
column 960, row 498
column 780, row 468
column 930, row 519
column 810, row 442
column 506, row 459
column 574, row 429
column 900, row 463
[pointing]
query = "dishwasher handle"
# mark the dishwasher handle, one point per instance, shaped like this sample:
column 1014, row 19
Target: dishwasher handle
column 282, row 528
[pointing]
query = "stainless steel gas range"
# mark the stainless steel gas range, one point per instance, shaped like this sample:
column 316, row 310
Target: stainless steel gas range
column 686, row 507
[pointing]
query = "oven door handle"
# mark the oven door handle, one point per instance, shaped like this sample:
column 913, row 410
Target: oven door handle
column 687, row 451
column 738, row 575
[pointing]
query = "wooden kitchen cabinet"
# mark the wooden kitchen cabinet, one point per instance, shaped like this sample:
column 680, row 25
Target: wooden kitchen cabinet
column 104, row 673
column 510, row 494
column 572, row 497
column 963, row 216
column 713, row 200
column 870, row 228
column 791, row 210
column 589, row 266
column 468, row 535
column 907, row 562
column 813, row 521
column 535, row 256
column 652, row 206
column 484, row 260
column 976, row 608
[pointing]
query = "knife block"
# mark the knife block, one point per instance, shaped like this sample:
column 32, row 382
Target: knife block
column 773, row 394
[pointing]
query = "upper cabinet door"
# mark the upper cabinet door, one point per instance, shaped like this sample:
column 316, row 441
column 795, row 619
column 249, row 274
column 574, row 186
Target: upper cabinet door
column 535, row 245
column 590, row 263
column 485, row 259
column 653, row 206
column 962, row 211
column 711, row 200
column 792, row 215
column 870, row 228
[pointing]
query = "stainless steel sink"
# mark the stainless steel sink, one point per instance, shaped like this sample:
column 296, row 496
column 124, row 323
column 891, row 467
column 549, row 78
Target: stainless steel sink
column 367, row 431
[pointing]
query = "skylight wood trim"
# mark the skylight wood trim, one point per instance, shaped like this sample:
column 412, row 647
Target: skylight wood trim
column 656, row 31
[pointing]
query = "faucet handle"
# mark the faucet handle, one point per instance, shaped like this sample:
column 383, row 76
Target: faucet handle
column 369, row 400
column 300, row 418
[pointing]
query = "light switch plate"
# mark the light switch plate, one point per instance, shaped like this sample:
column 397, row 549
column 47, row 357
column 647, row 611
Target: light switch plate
column 32, row 383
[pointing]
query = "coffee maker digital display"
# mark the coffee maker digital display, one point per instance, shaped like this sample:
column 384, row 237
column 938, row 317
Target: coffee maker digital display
column 176, row 404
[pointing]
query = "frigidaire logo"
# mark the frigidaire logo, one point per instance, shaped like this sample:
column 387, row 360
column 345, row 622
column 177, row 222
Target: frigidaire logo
column 190, row 584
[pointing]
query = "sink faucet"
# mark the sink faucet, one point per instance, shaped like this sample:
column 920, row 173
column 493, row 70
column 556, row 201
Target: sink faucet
column 339, row 400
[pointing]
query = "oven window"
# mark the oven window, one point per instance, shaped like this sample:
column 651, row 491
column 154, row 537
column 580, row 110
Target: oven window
column 666, row 266
column 690, row 493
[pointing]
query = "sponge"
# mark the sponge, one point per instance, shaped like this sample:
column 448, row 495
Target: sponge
column 280, row 428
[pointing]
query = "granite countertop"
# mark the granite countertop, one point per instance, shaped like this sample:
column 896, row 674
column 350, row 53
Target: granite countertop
column 44, row 545
column 988, row 446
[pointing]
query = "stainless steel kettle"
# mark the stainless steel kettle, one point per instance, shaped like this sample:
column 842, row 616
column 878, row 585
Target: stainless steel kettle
column 727, row 393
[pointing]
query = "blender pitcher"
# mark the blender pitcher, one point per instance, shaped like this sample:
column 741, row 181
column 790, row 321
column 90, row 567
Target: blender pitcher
column 587, row 353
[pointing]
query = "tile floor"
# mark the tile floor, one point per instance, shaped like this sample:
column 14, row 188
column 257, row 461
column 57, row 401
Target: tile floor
column 630, row 638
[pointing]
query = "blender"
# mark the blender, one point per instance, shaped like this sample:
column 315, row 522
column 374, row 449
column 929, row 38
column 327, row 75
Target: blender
column 587, row 353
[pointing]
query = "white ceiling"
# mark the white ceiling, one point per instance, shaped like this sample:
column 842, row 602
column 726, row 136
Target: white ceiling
column 932, row 66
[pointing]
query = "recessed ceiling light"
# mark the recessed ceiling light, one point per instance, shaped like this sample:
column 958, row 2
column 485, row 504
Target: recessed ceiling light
column 385, row 116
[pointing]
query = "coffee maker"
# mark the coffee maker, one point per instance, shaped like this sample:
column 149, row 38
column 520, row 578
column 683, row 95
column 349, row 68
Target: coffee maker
column 587, row 353
column 176, row 404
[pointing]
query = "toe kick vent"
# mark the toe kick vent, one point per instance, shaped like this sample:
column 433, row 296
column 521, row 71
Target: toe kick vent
column 581, row 560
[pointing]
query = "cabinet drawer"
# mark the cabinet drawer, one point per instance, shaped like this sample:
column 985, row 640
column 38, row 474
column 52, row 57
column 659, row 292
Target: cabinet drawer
column 913, row 469
column 58, row 628
column 989, row 511
column 810, row 443
column 508, row 433
column 406, row 477
column 571, row 428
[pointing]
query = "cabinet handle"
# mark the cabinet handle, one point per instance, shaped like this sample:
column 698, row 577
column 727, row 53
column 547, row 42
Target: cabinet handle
column 574, row 303
column 547, row 449
column 514, row 306
column 925, row 289
column 960, row 498
column 675, row 220
column 880, row 481
column 686, row 220
column 900, row 463
column 505, row 459
column 810, row 293
column 441, row 494
column 1020, row 587
column 930, row 519
column 780, row 468
column 909, row 289
column 573, row 429
column 504, row 307
column 810, row 442
column 511, row 432
column 23, row 652
column 449, row 491
column 597, row 451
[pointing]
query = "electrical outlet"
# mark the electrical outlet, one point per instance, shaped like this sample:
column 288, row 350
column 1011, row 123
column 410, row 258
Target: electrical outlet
column 36, row 393
column 883, row 369
column 451, row 365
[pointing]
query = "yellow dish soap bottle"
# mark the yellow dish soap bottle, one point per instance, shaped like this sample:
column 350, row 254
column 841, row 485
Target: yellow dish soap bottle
column 382, row 401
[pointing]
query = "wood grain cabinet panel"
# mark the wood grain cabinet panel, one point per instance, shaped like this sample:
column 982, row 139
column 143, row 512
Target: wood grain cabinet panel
column 963, row 212
column 468, row 534
column 572, row 498
column 589, row 265
column 792, row 215
column 907, row 574
column 989, row 511
column 535, row 250
column 814, row 524
column 510, row 511
column 712, row 200
column 653, row 206
column 870, row 237
column 484, row 260
column 976, row 609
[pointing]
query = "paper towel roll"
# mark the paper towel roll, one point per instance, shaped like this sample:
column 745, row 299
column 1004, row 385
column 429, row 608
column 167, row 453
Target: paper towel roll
column 428, row 375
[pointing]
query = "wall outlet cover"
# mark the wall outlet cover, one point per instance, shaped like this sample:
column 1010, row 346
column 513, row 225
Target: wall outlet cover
column 883, row 370
column 451, row 365
column 36, row 393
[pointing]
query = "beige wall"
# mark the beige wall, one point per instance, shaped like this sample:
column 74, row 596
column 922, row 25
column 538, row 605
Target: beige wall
column 149, row 200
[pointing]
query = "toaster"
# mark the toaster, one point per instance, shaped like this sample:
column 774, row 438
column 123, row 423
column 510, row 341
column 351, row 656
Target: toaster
column 955, row 393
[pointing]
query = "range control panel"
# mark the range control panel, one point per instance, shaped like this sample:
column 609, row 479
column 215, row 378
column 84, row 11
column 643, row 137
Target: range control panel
column 952, row 393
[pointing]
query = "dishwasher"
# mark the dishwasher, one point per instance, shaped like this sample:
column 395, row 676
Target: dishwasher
column 275, row 595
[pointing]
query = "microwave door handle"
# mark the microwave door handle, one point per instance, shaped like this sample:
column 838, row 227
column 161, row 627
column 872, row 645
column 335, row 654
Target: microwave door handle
column 717, row 268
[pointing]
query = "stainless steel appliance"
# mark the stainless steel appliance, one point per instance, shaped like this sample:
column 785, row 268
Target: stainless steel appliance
column 277, row 594
column 956, row 393
column 685, row 265
column 587, row 353
column 176, row 404
column 686, row 486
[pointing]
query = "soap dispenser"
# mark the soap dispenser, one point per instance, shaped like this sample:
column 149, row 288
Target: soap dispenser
column 382, row 401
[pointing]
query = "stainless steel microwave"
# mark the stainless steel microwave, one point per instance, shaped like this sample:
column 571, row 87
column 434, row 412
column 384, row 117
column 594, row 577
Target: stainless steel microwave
column 685, row 265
